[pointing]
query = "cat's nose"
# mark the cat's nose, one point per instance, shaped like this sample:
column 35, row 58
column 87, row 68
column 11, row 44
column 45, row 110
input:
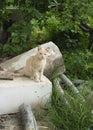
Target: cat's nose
column 43, row 57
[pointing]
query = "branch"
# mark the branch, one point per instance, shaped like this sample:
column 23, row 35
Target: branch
column 56, row 83
column 72, row 87
column 85, row 27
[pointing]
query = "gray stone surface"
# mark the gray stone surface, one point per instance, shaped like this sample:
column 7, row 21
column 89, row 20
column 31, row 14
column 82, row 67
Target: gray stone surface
column 54, row 60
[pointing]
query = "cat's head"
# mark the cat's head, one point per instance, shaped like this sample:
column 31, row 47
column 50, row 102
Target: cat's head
column 42, row 52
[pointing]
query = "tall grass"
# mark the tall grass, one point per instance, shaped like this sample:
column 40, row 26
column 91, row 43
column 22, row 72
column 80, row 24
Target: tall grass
column 72, row 115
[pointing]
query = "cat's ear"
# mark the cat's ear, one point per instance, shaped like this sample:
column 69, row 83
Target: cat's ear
column 39, row 47
column 47, row 49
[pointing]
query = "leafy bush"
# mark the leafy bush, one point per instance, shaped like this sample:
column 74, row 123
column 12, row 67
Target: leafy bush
column 79, row 64
column 49, row 20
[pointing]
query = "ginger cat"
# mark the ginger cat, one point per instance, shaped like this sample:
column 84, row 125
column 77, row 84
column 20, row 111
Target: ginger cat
column 35, row 65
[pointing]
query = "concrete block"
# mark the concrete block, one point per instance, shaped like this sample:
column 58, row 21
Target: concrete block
column 23, row 90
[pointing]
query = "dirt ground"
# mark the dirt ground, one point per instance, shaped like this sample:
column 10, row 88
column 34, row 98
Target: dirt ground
column 14, row 122
column 11, row 122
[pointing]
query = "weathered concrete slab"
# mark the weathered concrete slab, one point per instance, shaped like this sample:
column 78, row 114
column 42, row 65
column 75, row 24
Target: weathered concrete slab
column 23, row 90
column 54, row 60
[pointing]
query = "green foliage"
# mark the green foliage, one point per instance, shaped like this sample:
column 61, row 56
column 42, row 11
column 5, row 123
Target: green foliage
column 4, row 15
column 19, row 32
column 79, row 64
column 71, row 13
column 41, row 5
column 11, row 50
column 75, row 117
column 48, row 20
column 20, row 39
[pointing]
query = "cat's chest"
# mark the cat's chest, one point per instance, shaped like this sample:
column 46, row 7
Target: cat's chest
column 39, row 64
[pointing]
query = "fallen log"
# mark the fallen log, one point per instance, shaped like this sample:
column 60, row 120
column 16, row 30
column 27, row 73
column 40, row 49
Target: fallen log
column 56, row 84
column 79, row 82
column 72, row 87
column 28, row 119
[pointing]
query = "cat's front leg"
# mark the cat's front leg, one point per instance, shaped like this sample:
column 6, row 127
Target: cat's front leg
column 36, row 77
column 41, row 75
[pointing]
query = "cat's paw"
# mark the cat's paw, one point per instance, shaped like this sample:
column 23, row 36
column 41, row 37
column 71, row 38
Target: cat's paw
column 42, row 80
column 37, row 80
column 32, row 78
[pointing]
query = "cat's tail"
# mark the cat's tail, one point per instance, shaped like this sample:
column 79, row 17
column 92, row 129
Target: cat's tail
column 18, row 74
